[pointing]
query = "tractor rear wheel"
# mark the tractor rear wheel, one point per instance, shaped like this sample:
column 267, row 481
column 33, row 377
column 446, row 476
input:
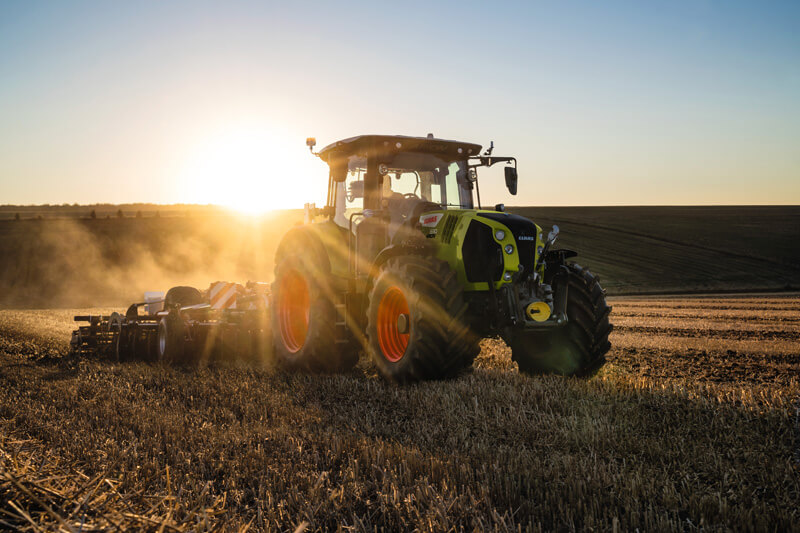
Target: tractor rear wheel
column 417, row 326
column 304, row 320
column 579, row 347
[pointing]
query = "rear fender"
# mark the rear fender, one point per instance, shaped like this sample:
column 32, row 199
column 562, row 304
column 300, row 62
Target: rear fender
column 324, row 247
column 304, row 242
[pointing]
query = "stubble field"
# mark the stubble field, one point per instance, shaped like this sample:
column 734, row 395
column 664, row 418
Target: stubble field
column 693, row 423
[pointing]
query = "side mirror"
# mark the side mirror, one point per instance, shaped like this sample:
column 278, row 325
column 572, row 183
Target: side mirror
column 511, row 179
column 339, row 170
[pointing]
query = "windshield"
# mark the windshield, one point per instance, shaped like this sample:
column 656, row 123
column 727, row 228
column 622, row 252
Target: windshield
column 412, row 174
column 428, row 178
column 406, row 176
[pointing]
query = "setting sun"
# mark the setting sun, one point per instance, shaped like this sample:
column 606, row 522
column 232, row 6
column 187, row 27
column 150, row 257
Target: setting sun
column 250, row 170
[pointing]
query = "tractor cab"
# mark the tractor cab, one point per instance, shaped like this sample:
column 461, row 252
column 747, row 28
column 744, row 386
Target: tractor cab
column 400, row 176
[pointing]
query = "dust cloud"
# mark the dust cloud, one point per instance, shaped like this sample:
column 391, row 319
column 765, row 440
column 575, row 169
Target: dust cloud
column 112, row 262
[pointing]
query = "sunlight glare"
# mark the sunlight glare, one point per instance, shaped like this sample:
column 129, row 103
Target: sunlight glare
column 250, row 170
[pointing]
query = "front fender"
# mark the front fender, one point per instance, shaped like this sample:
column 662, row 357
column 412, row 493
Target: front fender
column 412, row 247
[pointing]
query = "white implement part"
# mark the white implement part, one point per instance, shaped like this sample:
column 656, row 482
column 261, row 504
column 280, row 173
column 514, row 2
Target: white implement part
column 222, row 294
column 154, row 301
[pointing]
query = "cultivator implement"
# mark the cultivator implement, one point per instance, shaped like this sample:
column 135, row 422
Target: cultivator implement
column 182, row 326
column 94, row 337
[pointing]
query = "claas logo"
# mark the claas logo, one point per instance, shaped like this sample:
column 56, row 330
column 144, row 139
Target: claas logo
column 430, row 221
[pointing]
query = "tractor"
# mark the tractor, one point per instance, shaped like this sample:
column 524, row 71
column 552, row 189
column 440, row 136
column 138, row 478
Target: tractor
column 402, row 265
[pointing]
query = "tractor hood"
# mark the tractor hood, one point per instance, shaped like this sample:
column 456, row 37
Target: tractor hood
column 482, row 245
column 524, row 230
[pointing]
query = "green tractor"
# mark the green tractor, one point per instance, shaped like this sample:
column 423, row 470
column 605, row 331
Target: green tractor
column 402, row 265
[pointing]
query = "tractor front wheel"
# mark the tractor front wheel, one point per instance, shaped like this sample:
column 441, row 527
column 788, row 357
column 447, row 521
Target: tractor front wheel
column 577, row 348
column 417, row 325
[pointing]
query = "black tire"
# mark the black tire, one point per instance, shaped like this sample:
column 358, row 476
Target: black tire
column 579, row 347
column 304, row 320
column 182, row 297
column 170, row 339
column 77, row 343
column 119, row 343
column 439, row 343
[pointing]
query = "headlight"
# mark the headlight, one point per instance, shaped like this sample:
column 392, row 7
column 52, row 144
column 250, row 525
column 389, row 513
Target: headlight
column 507, row 276
column 509, row 249
column 499, row 235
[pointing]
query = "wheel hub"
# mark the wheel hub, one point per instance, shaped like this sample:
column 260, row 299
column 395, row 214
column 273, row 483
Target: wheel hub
column 393, row 324
column 293, row 311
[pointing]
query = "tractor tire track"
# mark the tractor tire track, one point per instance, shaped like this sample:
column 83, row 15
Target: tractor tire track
column 750, row 317
column 711, row 333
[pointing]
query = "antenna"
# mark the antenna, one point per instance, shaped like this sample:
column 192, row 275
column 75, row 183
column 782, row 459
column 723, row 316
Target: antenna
column 490, row 149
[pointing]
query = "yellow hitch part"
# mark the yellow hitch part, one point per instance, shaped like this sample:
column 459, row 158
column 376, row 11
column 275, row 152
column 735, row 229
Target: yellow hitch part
column 538, row 311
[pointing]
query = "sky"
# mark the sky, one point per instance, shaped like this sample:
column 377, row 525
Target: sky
column 602, row 103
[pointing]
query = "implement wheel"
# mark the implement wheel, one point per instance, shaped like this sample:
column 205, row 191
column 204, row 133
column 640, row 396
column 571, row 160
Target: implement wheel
column 579, row 347
column 304, row 320
column 417, row 321
column 182, row 297
column 170, row 339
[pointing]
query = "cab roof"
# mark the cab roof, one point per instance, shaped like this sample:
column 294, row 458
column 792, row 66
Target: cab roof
column 390, row 144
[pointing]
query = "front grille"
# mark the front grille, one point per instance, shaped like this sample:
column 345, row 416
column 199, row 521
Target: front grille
column 448, row 227
column 483, row 257
column 524, row 232
column 527, row 255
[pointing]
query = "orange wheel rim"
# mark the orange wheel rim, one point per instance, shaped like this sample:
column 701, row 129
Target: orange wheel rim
column 393, row 343
column 293, row 311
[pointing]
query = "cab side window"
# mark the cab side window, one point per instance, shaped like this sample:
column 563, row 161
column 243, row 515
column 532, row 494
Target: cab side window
column 350, row 193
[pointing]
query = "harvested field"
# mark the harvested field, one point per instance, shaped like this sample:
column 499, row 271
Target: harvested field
column 694, row 423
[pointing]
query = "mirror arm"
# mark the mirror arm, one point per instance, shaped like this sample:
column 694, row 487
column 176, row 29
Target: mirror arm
column 485, row 161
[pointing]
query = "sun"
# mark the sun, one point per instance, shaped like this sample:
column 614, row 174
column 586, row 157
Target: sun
column 250, row 170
